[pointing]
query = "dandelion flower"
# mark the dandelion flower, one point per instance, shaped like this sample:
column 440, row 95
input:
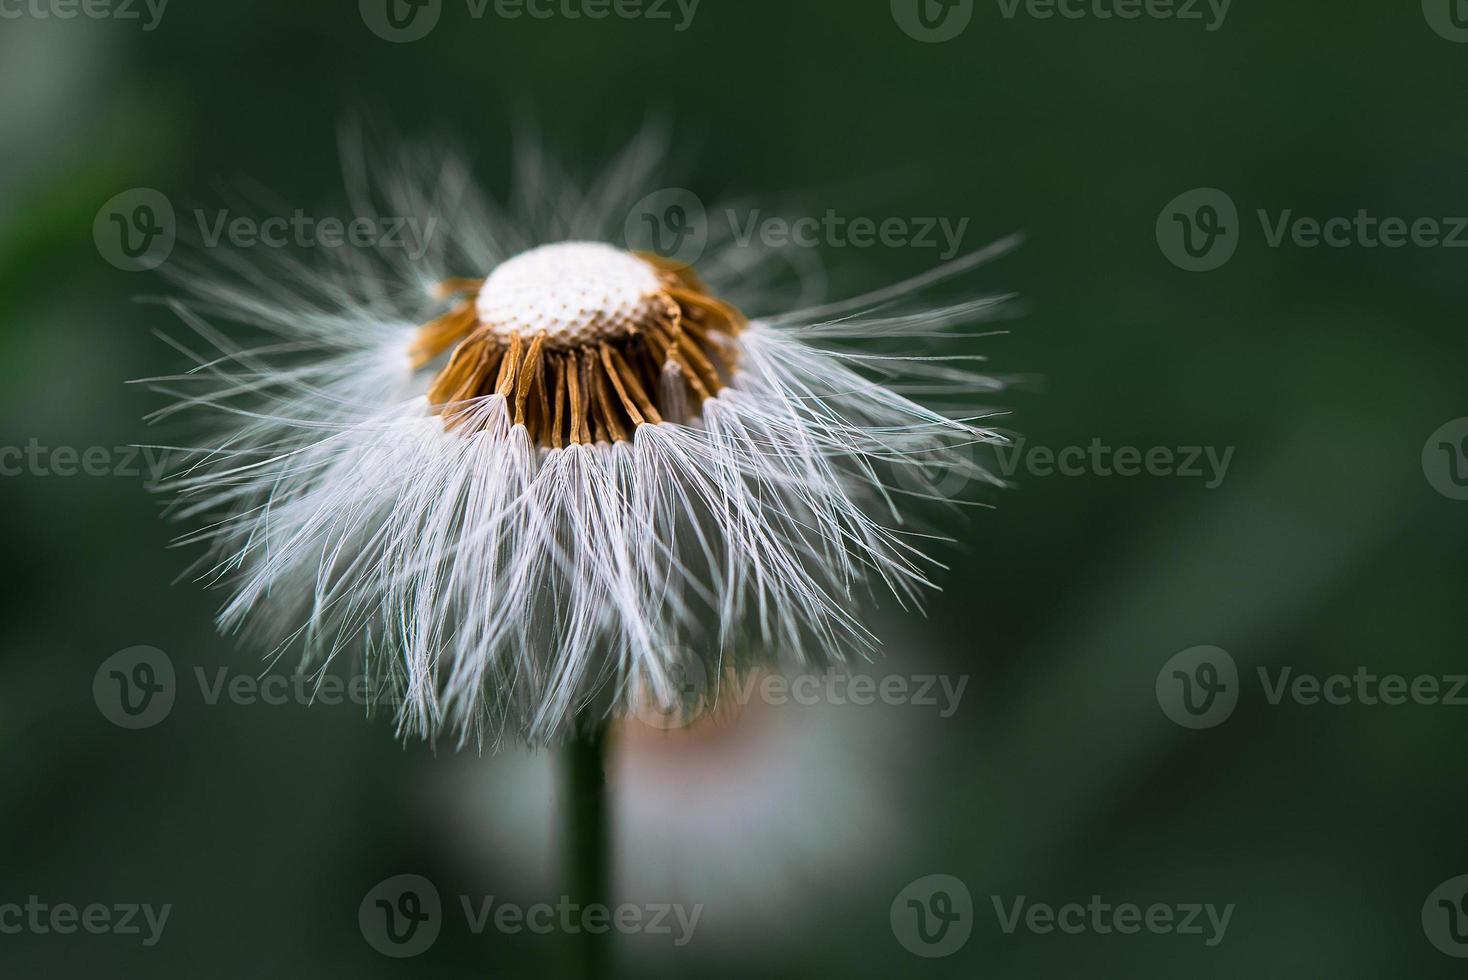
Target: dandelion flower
column 553, row 478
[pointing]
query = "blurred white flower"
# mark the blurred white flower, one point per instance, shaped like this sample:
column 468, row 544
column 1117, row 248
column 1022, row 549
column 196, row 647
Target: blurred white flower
column 547, row 494
column 767, row 816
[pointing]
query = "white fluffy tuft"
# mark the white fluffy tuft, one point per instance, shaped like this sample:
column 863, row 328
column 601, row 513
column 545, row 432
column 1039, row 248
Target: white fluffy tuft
column 497, row 590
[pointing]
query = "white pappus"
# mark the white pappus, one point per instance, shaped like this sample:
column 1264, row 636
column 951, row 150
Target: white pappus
column 532, row 479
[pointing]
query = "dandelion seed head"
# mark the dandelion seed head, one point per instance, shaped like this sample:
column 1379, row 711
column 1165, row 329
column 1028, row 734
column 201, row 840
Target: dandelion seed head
column 577, row 293
column 585, row 342
column 580, row 477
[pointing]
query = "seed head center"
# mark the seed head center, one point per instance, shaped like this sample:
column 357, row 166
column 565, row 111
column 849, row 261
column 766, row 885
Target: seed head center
column 577, row 293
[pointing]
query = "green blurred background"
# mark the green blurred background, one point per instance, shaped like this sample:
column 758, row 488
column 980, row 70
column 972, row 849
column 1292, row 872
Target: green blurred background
column 1059, row 777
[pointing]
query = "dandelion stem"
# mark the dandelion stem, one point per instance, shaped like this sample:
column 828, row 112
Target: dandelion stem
column 588, row 839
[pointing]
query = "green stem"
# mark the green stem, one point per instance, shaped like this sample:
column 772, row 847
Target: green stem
column 588, row 835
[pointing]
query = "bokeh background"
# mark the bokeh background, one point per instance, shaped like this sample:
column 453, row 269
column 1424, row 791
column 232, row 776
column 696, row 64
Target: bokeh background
column 1325, row 549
